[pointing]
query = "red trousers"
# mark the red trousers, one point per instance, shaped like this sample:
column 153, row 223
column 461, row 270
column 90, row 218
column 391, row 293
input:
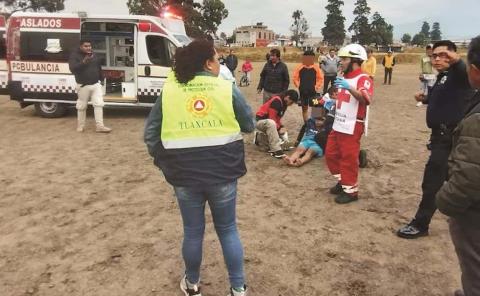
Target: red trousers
column 341, row 156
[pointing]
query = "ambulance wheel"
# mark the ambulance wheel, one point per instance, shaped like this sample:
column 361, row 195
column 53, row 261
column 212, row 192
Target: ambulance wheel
column 50, row 110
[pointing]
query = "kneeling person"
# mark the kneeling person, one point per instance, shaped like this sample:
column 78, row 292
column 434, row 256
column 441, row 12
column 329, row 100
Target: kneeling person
column 269, row 120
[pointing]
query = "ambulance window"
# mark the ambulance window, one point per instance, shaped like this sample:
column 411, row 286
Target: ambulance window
column 35, row 46
column 160, row 50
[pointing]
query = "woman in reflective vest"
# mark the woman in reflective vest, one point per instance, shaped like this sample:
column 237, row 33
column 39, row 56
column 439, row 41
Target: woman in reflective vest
column 194, row 134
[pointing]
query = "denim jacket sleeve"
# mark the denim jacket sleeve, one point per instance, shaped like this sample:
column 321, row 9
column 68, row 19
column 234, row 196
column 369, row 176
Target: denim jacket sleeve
column 153, row 126
column 243, row 112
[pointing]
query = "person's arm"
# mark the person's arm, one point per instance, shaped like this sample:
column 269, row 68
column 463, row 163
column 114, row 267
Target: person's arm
column 262, row 78
column 383, row 61
column 235, row 62
column 100, row 72
column 322, row 65
column 394, row 61
column 153, row 126
column 458, row 72
column 296, row 76
column 274, row 112
column 374, row 67
column 319, row 78
column 462, row 188
column 75, row 63
column 243, row 112
column 286, row 78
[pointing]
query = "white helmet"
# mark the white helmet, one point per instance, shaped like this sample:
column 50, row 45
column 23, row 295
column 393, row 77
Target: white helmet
column 353, row 51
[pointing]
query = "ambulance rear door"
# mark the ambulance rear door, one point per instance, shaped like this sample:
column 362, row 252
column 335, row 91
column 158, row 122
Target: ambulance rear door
column 155, row 58
column 3, row 57
column 38, row 50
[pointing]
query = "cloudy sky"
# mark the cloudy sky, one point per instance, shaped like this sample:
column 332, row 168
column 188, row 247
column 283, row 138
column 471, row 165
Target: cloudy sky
column 458, row 19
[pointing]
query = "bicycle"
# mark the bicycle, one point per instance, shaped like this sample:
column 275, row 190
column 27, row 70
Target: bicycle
column 244, row 80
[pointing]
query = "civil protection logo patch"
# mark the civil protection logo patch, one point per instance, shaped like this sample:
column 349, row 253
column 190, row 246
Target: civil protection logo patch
column 199, row 106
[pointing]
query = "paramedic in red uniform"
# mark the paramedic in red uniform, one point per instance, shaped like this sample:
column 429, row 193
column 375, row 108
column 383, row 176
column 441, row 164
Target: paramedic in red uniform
column 343, row 146
column 86, row 67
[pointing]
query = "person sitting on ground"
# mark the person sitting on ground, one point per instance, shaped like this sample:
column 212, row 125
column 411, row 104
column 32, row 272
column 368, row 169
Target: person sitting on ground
column 318, row 127
column 308, row 147
column 327, row 102
column 269, row 120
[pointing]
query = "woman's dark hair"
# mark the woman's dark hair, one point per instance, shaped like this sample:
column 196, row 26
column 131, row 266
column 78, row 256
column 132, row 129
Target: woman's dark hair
column 474, row 52
column 190, row 59
column 449, row 44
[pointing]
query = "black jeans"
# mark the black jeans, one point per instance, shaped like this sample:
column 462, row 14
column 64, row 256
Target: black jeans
column 434, row 176
column 328, row 81
column 388, row 72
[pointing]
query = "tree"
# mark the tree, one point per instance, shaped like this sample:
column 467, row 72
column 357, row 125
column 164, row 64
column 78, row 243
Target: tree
column 299, row 27
column 419, row 39
column 436, row 34
column 360, row 26
column 334, row 30
column 33, row 5
column 406, row 38
column 382, row 33
column 223, row 36
column 425, row 30
column 201, row 19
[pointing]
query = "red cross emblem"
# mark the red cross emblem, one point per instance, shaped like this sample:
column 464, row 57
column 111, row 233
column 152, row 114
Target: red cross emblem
column 343, row 96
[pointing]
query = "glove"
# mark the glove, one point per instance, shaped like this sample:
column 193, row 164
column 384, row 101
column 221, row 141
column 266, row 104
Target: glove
column 329, row 105
column 342, row 83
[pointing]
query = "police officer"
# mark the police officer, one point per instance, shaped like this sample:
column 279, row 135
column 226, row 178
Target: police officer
column 446, row 106
column 194, row 134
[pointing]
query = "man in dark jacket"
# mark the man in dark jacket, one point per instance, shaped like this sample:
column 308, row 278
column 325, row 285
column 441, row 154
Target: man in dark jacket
column 459, row 197
column 446, row 107
column 87, row 68
column 231, row 62
column 274, row 78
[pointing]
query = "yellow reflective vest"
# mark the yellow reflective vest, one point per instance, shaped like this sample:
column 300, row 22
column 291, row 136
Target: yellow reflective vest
column 198, row 114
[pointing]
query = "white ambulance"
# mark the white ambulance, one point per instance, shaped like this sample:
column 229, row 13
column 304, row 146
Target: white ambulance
column 136, row 53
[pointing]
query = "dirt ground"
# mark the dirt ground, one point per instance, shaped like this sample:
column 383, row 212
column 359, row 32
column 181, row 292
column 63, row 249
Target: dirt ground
column 89, row 214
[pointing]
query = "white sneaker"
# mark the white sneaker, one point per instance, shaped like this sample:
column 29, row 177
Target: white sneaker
column 189, row 289
column 237, row 293
column 103, row 129
column 419, row 104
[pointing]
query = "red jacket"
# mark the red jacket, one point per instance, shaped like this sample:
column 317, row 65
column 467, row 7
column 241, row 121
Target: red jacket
column 267, row 112
column 247, row 67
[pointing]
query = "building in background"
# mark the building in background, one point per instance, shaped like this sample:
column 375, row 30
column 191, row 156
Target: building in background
column 254, row 36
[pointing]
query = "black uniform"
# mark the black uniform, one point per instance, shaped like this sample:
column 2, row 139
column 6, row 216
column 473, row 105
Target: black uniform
column 85, row 73
column 446, row 101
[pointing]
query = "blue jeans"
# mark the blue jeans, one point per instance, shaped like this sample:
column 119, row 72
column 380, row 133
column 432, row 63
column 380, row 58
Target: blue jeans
column 222, row 201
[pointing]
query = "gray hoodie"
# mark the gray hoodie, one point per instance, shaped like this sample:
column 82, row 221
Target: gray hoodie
column 330, row 65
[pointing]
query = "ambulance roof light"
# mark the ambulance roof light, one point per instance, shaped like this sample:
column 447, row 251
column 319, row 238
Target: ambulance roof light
column 144, row 27
column 169, row 14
